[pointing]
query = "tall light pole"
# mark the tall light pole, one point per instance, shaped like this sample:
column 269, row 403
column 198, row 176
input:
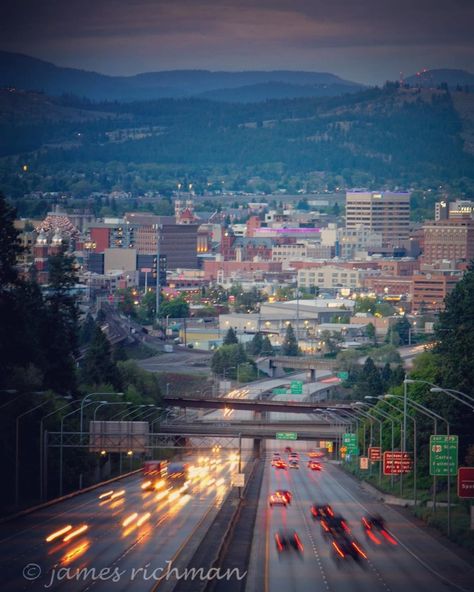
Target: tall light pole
column 17, row 448
column 43, row 451
column 105, row 404
column 61, row 440
column 86, row 399
column 452, row 393
column 392, row 422
column 380, row 422
column 422, row 409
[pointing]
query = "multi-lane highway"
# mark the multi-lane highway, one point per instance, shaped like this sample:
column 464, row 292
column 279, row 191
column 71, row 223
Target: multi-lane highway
column 124, row 535
column 416, row 562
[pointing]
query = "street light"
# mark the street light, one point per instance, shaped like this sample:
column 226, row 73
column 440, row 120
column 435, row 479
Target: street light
column 86, row 398
column 44, row 452
column 422, row 409
column 452, row 393
column 61, row 440
column 17, row 448
column 392, row 421
column 380, row 422
column 105, row 403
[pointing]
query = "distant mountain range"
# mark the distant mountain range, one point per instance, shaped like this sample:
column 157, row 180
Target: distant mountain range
column 24, row 72
column 433, row 78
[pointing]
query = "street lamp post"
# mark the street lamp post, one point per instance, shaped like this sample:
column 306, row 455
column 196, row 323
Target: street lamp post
column 380, row 422
column 85, row 399
column 44, row 452
column 392, row 441
column 422, row 409
column 452, row 393
column 17, row 448
column 61, row 440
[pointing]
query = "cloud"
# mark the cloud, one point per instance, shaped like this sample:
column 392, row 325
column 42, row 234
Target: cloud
column 187, row 32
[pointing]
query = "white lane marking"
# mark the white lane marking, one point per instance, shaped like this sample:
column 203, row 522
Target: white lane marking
column 412, row 553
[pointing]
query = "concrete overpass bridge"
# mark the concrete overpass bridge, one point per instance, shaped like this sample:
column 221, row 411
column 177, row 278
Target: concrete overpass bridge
column 252, row 404
column 273, row 366
column 310, row 430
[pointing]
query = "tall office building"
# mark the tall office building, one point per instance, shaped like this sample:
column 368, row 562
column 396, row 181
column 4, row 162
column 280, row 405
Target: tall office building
column 384, row 212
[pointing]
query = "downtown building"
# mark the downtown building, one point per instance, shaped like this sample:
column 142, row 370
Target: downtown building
column 383, row 212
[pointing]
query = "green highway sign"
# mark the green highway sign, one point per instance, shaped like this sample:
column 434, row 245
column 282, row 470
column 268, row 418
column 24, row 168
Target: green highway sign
column 296, row 387
column 443, row 456
column 343, row 375
column 351, row 444
column 279, row 391
column 286, row 436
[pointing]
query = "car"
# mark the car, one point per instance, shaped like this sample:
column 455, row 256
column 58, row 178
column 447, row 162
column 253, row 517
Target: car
column 334, row 524
column 294, row 455
column 280, row 464
column 374, row 525
column 314, row 466
column 286, row 494
column 276, row 457
column 288, row 449
column 319, row 511
column 278, row 499
column 345, row 546
column 293, row 464
column 315, row 454
column 287, row 541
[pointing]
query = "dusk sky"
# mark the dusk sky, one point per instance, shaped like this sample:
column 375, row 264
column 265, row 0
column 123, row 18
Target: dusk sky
column 364, row 40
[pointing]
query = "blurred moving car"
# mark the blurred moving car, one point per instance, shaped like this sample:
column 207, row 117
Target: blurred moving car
column 287, row 541
column 286, row 494
column 344, row 547
column 374, row 525
column 334, row 525
column 293, row 464
column 315, row 454
column 319, row 511
column 314, row 466
column 280, row 464
column 275, row 458
column 278, row 499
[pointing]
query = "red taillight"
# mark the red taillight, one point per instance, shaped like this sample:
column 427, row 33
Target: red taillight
column 299, row 544
column 390, row 539
column 278, row 542
column 338, row 549
column 325, row 526
column 329, row 511
column 366, row 524
column 314, row 512
column 372, row 537
column 345, row 527
column 359, row 550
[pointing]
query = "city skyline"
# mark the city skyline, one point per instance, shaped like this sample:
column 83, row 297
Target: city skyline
column 365, row 42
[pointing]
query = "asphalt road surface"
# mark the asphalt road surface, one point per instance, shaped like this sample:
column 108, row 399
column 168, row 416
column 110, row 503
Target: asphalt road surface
column 116, row 556
column 417, row 562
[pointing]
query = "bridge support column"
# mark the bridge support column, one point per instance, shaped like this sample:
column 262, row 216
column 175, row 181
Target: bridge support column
column 257, row 447
column 312, row 375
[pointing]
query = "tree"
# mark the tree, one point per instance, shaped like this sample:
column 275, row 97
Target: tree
column 230, row 337
column 255, row 346
column 267, row 347
column 98, row 367
column 62, row 324
column 87, row 330
column 290, row 344
column 402, row 328
column 369, row 382
column 10, row 247
column 175, row 308
column 370, row 332
column 227, row 358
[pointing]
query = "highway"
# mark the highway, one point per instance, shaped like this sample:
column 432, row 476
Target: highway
column 416, row 563
column 160, row 523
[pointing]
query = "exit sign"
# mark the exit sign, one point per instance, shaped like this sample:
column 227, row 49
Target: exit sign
column 286, row 436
